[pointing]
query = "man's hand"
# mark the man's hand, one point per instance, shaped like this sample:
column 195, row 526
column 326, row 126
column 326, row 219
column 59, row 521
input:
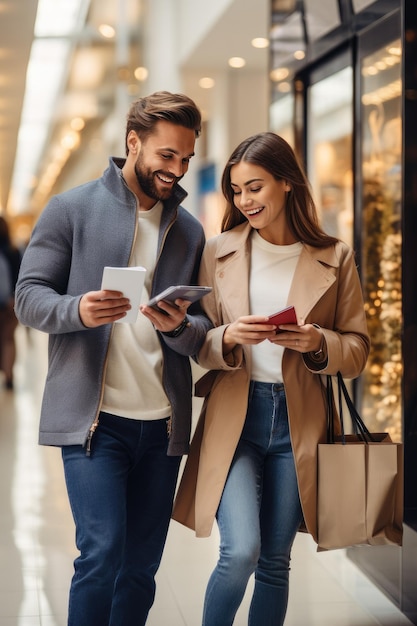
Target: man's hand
column 102, row 307
column 171, row 319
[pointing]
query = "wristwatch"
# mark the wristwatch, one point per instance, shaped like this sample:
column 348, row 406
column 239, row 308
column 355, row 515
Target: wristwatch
column 179, row 329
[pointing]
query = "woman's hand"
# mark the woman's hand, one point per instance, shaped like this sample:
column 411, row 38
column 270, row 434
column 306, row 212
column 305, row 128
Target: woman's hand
column 249, row 330
column 305, row 338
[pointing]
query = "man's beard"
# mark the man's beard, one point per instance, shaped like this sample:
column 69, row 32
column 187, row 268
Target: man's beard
column 146, row 181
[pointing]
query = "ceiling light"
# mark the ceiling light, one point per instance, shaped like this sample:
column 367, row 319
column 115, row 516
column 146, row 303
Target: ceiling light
column 396, row 50
column 141, row 73
column 237, row 62
column 260, row 42
column 299, row 55
column 280, row 73
column 107, row 31
column 70, row 140
column 206, row 82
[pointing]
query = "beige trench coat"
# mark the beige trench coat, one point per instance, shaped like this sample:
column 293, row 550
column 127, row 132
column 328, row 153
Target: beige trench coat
column 325, row 290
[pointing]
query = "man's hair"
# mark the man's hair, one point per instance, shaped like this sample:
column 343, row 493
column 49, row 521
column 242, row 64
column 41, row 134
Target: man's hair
column 162, row 105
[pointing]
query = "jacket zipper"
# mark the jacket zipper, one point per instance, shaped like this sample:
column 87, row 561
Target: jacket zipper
column 91, row 432
column 94, row 425
column 169, row 420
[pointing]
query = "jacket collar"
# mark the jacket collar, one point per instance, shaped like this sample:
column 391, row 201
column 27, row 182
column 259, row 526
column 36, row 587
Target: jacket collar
column 313, row 276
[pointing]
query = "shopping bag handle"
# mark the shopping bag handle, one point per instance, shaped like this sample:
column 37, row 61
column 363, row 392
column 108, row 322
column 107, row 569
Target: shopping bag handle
column 358, row 424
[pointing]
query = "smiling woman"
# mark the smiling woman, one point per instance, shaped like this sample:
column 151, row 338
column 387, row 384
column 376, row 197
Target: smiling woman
column 261, row 198
column 258, row 165
column 253, row 459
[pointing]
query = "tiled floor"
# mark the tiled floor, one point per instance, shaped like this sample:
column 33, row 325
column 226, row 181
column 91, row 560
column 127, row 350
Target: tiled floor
column 37, row 545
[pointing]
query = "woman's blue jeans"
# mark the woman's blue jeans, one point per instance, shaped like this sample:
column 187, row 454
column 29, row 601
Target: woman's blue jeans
column 121, row 499
column 258, row 516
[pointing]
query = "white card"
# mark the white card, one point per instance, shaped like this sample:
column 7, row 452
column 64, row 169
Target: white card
column 128, row 280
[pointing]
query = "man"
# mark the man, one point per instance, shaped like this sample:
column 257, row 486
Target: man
column 118, row 396
column 10, row 259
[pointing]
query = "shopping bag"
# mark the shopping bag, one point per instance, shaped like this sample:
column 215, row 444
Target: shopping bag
column 360, row 483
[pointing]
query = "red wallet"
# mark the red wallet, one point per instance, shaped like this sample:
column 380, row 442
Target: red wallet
column 285, row 316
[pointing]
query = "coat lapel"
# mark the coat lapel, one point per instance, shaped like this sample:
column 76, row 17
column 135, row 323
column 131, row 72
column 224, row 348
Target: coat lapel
column 313, row 276
column 232, row 271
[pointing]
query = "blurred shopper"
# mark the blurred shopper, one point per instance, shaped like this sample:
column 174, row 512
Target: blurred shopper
column 118, row 396
column 252, row 462
column 10, row 259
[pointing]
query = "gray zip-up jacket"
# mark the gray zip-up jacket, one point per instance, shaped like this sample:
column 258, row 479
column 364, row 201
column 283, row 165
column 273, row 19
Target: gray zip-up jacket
column 79, row 232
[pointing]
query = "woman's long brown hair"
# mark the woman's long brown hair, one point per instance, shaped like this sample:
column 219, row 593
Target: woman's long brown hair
column 271, row 152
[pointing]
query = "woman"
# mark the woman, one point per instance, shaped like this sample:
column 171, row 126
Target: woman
column 253, row 459
column 11, row 257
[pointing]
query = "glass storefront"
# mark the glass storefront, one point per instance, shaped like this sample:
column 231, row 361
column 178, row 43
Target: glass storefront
column 350, row 137
column 381, row 235
column 329, row 144
column 281, row 118
column 354, row 126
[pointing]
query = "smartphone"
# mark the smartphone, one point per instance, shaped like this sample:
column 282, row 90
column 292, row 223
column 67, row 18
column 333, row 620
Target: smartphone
column 285, row 316
column 185, row 292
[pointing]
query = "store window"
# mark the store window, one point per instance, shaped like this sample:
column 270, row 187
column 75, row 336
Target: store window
column 381, row 238
column 321, row 17
column 281, row 118
column 329, row 158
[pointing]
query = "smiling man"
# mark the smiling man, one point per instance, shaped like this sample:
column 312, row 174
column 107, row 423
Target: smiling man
column 158, row 164
column 118, row 396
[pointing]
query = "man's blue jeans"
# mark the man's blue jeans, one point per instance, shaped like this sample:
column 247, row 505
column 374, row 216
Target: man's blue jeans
column 121, row 499
column 258, row 517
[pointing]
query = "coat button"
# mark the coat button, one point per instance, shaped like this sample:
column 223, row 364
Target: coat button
column 221, row 274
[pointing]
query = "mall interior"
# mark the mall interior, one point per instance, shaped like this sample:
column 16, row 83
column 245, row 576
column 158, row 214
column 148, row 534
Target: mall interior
column 338, row 80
